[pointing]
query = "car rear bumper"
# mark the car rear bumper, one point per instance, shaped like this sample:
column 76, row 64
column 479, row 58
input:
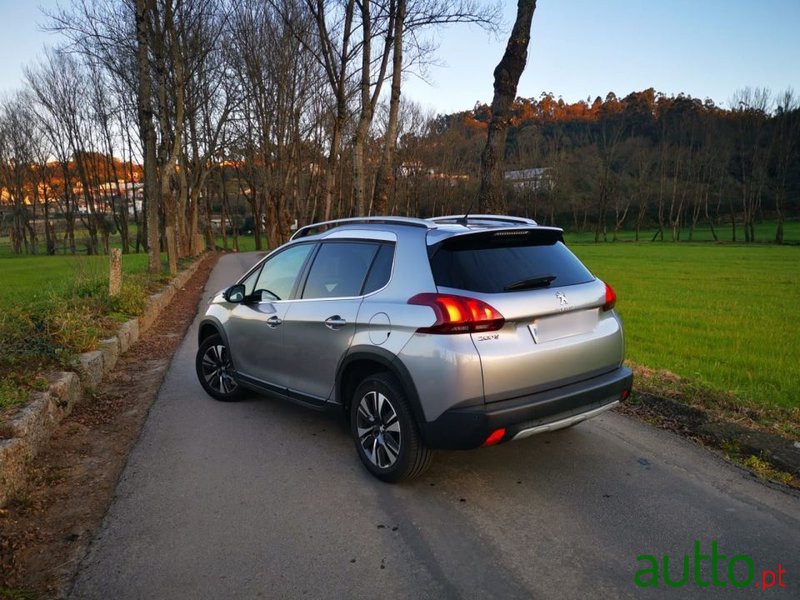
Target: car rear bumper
column 468, row 427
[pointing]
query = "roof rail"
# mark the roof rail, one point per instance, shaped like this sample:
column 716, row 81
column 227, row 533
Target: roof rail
column 491, row 218
column 325, row 225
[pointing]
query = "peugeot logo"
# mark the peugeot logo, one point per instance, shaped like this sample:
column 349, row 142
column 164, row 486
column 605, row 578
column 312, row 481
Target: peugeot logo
column 562, row 299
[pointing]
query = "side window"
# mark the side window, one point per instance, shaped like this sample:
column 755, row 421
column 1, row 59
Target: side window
column 280, row 272
column 339, row 269
column 381, row 269
column 250, row 282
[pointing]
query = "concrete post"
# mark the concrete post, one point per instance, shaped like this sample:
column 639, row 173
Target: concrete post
column 115, row 273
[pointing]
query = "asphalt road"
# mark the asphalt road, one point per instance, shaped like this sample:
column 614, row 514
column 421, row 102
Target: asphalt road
column 264, row 499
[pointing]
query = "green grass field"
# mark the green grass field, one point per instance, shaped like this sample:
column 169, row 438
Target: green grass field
column 28, row 277
column 53, row 307
column 765, row 233
column 726, row 316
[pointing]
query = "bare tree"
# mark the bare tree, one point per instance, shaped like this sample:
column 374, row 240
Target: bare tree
column 752, row 152
column 785, row 145
column 506, row 79
column 277, row 77
column 16, row 162
column 612, row 128
column 147, row 130
column 333, row 47
column 369, row 92
column 405, row 21
column 60, row 86
column 384, row 179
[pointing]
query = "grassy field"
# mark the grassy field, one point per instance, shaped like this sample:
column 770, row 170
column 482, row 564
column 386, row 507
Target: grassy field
column 727, row 316
column 53, row 307
column 765, row 233
column 29, row 277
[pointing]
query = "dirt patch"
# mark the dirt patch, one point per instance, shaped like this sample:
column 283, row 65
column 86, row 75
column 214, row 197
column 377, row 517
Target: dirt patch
column 45, row 531
column 742, row 435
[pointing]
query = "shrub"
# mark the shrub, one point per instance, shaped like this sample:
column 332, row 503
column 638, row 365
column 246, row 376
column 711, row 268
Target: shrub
column 24, row 340
column 131, row 299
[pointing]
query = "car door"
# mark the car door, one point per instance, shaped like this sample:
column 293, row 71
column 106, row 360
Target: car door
column 255, row 328
column 321, row 323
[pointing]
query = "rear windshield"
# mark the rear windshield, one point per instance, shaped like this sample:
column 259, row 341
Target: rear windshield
column 497, row 265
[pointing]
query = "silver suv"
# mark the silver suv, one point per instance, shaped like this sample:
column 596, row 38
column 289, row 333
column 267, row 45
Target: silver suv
column 453, row 332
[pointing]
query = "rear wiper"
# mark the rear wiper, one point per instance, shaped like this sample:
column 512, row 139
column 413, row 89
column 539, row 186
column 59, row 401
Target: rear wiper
column 530, row 283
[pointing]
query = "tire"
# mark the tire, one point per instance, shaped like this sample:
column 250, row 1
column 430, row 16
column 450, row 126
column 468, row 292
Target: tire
column 384, row 430
column 213, row 367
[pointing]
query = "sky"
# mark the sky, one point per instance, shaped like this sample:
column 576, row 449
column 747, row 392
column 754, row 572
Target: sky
column 579, row 49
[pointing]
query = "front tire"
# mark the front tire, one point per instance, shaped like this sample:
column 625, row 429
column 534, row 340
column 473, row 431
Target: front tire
column 215, row 371
column 384, row 431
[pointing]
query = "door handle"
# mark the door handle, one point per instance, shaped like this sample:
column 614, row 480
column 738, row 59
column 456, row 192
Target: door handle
column 335, row 322
column 273, row 322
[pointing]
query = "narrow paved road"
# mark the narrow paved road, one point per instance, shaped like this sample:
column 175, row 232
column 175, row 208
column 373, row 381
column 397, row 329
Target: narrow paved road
column 264, row 499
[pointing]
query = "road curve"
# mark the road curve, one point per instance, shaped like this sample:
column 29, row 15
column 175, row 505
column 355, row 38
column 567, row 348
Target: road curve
column 264, row 499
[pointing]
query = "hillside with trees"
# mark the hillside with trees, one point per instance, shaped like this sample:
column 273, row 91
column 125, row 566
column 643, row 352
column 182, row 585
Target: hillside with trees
column 644, row 161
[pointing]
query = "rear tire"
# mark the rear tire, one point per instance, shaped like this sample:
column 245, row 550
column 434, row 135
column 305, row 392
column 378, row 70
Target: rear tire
column 215, row 371
column 384, row 430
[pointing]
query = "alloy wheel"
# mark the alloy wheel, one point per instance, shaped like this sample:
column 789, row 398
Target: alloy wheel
column 378, row 429
column 216, row 366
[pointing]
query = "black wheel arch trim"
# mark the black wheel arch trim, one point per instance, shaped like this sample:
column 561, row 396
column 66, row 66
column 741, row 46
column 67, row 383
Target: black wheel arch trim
column 394, row 366
column 218, row 329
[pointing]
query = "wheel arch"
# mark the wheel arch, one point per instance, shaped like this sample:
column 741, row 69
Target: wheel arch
column 208, row 327
column 363, row 362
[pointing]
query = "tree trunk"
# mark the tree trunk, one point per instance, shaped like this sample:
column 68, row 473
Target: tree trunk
column 384, row 180
column 144, row 105
column 506, row 79
column 336, row 62
column 369, row 99
column 365, row 118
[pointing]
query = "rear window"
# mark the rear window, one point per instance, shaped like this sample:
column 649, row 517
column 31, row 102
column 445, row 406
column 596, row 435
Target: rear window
column 339, row 269
column 381, row 269
column 494, row 265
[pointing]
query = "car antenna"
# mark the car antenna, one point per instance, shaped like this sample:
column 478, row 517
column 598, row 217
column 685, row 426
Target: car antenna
column 465, row 219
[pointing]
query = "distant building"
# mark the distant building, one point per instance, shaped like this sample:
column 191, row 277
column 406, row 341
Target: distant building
column 451, row 179
column 535, row 180
column 414, row 169
column 131, row 189
column 417, row 169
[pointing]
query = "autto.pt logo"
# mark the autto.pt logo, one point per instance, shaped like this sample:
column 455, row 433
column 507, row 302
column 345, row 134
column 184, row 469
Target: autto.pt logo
column 707, row 567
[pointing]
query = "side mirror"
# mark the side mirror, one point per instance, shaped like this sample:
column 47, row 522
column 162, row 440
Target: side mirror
column 235, row 293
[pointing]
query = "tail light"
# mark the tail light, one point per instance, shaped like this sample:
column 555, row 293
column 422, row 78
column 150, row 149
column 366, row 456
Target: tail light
column 611, row 298
column 458, row 314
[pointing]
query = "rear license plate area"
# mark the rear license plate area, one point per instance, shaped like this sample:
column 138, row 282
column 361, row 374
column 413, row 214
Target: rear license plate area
column 556, row 327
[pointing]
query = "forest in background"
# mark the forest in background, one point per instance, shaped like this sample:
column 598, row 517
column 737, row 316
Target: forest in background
column 644, row 161
column 290, row 111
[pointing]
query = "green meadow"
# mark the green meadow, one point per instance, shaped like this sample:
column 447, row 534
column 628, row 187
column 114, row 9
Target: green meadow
column 26, row 278
column 764, row 233
column 726, row 316
column 52, row 307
